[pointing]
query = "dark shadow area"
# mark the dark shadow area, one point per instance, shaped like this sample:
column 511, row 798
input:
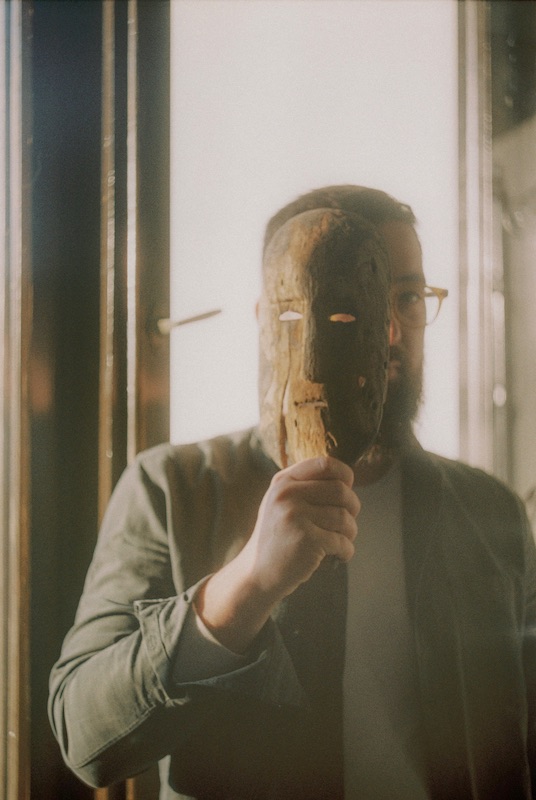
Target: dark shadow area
column 66, row 111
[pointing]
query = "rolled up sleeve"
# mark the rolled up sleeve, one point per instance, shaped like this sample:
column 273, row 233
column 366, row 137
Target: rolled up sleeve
column 117, row 702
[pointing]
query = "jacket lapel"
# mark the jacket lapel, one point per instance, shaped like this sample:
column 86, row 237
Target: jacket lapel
column 463, row 614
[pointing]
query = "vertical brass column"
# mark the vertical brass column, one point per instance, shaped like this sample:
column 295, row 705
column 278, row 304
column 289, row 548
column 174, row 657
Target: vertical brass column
column 134, row 358
column 15, row 321
column 108, row 222
column 476, row 233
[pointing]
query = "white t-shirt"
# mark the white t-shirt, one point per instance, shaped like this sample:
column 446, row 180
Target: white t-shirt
column 382, row 749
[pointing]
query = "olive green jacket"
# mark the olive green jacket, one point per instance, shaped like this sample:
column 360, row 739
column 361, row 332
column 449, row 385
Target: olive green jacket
column 272, row 729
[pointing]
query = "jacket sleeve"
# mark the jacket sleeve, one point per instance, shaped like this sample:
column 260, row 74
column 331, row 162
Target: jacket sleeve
column 114, row 704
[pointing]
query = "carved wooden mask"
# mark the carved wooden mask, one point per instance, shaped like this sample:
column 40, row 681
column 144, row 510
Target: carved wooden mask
column 324, row 337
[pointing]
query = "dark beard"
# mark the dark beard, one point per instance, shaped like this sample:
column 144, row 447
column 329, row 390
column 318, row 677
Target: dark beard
column 400, row 409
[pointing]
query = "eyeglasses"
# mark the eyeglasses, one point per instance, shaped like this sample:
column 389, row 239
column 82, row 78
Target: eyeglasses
column 416, row 307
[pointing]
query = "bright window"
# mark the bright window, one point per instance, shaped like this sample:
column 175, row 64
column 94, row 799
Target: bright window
column 275, row 97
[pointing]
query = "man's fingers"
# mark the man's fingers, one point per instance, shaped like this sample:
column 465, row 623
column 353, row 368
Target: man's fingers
column 333, row 544
column 318, row 493
column 333, row 519
column 330, row 493
column 321, row 468
column 319, row 482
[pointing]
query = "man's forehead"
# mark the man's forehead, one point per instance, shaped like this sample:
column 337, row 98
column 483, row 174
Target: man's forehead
column 404, row 248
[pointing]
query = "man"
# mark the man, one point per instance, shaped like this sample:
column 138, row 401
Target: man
column 324, row 629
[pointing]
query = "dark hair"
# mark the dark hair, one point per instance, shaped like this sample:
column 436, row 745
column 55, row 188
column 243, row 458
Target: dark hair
column 372, row 204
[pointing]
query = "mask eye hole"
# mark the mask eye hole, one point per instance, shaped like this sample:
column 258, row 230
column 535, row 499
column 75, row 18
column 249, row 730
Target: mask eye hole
column 342, row 318
column 289, row 316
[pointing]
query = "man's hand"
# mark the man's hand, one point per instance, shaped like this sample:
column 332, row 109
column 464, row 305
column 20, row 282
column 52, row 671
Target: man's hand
column 309, row 512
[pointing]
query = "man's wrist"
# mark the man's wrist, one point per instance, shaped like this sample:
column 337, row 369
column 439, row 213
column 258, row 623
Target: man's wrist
column 233, row 608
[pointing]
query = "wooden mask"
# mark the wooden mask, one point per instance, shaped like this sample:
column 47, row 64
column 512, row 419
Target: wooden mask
column 324, row 337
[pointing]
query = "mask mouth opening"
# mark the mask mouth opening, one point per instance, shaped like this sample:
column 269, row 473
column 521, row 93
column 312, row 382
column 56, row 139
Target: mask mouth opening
column 311, row 404
column 304, row 422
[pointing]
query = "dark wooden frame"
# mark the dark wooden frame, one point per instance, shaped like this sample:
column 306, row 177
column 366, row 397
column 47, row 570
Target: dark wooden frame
column 72, row 411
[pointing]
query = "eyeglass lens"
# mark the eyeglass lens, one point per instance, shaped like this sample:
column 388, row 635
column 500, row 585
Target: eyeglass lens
column 416, row 308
